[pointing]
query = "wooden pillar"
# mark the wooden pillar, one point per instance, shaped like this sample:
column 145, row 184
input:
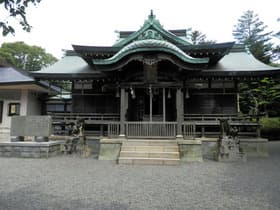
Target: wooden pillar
column 180, row 112
column 238, row 103
column 101, row 130
column 151, row 104
column 122, row 112
column 202, row 131
column 163, row 105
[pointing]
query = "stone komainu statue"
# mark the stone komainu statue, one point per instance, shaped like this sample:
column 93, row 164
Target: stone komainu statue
column 229, row 143
column 76, row 134
column 224, row 127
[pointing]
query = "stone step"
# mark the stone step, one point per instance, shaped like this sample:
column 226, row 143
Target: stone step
column 148, row 161
column 150, row 148
column 150, row 143
column 143, row 154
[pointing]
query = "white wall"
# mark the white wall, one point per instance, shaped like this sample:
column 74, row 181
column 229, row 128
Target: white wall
column 29, row 105
column 8, row 96
column 33, row 104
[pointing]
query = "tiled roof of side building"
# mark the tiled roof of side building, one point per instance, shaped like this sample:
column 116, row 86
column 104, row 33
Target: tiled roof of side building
column 67, row 67
column 240, row 60
column 11, row 75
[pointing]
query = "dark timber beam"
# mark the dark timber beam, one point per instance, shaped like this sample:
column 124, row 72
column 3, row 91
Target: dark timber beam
column 163, row 105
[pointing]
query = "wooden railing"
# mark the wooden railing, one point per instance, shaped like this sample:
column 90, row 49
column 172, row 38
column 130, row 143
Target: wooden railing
column 189, row 130
column 216, row 117
column 151, row 129
column 113, row 129
column 208, row 124
column 89, row 117
column 194, row 125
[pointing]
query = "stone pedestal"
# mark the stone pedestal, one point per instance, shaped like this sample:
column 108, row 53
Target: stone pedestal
column 190, row 150
column 229, row 150
column 30, row 149
column 110, row 149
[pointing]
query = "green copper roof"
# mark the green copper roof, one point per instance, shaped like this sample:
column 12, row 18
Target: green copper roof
column 152, row 24
column 150, row 45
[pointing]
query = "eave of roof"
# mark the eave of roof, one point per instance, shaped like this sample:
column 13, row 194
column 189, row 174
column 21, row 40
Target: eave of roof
column 11, row 78
column 241, row 62
column 67, row 68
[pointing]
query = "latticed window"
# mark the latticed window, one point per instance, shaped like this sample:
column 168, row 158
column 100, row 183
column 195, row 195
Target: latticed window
column 14, row 109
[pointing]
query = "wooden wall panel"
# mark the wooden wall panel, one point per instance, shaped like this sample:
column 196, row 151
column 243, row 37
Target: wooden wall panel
column 211, row 104
column 95, row 104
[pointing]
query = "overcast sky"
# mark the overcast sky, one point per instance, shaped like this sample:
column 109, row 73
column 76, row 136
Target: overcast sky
column 59, row 23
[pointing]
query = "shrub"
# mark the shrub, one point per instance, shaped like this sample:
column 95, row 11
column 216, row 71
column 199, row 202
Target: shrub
column 270, row 128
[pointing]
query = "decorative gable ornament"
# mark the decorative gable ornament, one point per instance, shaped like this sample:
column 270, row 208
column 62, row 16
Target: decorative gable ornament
column 150, row 34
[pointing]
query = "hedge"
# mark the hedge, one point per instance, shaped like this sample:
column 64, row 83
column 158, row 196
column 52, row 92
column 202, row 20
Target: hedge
column 270, row 128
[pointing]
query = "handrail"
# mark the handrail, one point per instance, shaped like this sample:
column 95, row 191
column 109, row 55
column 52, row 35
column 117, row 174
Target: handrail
column 151, row 129
column 113, row 129
column 216, row 117
column 189, row 130
column 86, row 116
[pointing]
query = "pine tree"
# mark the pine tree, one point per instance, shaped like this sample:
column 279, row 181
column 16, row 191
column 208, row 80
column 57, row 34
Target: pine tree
column 251, row 31
column 197, row 37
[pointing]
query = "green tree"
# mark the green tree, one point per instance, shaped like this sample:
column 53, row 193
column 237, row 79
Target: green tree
column 251, row 31
column 197, row 37
column 16, row 9
column 23, row 56
column 260, row 97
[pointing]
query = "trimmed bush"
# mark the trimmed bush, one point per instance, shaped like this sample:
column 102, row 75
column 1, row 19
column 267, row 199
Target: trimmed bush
column 270, row 128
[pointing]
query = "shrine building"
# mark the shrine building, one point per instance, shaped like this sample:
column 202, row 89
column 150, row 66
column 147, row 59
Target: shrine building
column 154, row 83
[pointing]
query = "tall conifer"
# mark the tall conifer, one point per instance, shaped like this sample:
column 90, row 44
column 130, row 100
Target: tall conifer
column 251, row 31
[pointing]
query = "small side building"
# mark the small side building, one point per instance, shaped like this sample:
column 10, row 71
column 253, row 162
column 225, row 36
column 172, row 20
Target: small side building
column 20, row 94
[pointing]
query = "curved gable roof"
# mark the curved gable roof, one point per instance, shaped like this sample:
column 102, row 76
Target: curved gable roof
column 154, row 24
column 149, row 45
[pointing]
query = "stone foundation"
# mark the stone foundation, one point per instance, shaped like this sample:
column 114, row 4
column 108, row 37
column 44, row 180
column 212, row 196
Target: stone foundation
column 90, row 149
column 30, row 149
column 251, row 147
column 190, row 150
column 209, row 148
column 110, row 149
column 255, row 147
column 93, row 147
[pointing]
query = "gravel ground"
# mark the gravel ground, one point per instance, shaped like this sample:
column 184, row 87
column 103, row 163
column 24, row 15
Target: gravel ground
column 76, row 183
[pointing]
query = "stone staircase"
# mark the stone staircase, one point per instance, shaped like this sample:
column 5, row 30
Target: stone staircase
column 149, row 152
